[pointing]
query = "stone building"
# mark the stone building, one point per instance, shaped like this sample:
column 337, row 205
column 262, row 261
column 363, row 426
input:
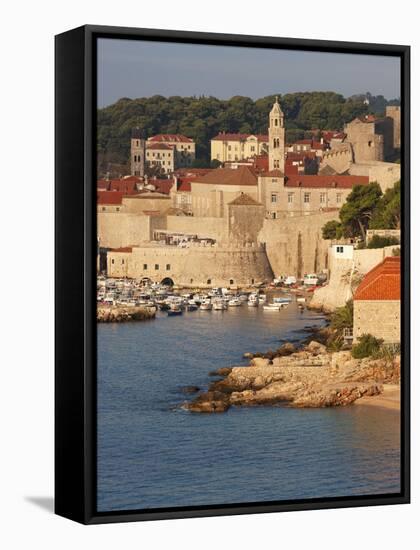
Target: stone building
column 162, row 156
column 226, row 147
column 377, row 302
column 183, row 147
column 371, row 138
column 276, row 136
column 137, row 153
column 394, row 112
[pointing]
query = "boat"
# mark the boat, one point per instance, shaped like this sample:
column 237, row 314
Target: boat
column 275, row 306
column 191, row 306
column 253, row 300
column 282, row 300
column 300, row 299
column 310, row 280
column 206, row 305
column 235, row 302
column 174, row 310
column 262, row 298
column 219, row 305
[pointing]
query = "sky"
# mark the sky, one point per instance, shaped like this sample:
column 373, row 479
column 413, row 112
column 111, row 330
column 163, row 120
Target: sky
column 132, row 68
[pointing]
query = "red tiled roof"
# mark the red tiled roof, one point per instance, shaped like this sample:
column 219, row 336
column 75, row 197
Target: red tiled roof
column 273, row 174
column 341, row 182
column 162, row 185
column 109, row 197
column 102, row 184
column 243, row 175
column 122, row 249
column 171, row 137
column 261, row 162
column 383, row 282
column 159, row 146
column 301, row 155
column 225, row 136
column 124, row 185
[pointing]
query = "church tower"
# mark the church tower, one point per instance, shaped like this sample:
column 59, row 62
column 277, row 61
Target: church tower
column 276, row 138
column 137, row 152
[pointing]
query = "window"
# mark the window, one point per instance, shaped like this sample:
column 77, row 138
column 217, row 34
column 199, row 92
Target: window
column 117, row 209
column 340, row 249
column 209, row 281
column 144, row 266
column 103, row 209
column 323, row 198
column 112, row 261
column 276, row 122
column 122, row 262
column 276, row 164
column 231, row 281
column 290, row 197
column 156, row 266
column 338, row 198
column 252, row 148
column 274, row 215
column 252, row 281
column 273, row 197
column 306, row 197
column 229, row 148
column 168, row 267
column 137, row 143
column 191, row 281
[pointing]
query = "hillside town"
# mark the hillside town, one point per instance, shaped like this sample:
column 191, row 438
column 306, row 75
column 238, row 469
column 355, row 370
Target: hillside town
column 258, row 217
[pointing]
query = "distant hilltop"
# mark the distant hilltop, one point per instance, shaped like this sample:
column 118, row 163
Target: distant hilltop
column 201, row 118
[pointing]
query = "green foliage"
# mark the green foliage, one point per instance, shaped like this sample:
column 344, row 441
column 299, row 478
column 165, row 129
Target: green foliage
column 367, row 345
column 387, row 352
column 380, row 242
column 341, row 318
column 396, row 251
column 332, row 230
column 387, row 214
column 357, row 211
column 201, row 118
column 214, row 163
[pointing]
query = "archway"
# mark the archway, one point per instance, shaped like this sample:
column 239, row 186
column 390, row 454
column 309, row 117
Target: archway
column 167, row 281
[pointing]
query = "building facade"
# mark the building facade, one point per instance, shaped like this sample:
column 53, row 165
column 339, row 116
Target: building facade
column 228, row 147
column 183, row 147
column 276, row 136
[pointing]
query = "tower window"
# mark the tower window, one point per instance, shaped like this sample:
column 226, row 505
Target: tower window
column 156, row 266
column 276, row 122
column 144, row 266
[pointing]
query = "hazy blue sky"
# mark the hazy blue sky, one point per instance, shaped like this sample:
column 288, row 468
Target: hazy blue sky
column 129, row 68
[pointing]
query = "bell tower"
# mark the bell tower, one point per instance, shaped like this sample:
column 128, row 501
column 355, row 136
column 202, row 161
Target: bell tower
column 276, row 138
column 137, row 152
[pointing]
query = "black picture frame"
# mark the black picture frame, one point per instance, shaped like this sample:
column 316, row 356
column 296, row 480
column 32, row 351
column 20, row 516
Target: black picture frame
column 75, row 273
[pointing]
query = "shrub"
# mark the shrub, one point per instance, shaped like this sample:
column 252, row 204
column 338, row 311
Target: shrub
column 380, row 242
column 367, row 345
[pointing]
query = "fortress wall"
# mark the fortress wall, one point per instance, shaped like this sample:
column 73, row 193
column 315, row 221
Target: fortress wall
column 295, row 245
column 385, row 173
column 197, row 266
column 339, row 159
column 214, row 228
column 245, row 222
column 118, row 229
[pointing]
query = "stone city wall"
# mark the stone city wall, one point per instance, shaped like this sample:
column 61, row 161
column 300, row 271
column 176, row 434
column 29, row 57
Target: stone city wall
column 119, row 229
column 295, row 245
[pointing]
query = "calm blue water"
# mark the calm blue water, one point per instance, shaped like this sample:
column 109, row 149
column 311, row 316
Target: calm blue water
column 153, row 455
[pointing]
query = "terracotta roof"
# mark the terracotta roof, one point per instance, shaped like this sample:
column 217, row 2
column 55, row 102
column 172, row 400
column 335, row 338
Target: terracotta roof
column 102, row 184
column 125, row 186
column 159, row 146
column 109, row 197
column 163, row 185
column 272, row 174
column 225, row 136
column 244, row 199
column 122, row 249
column 243, row 175
column 383, row 282
column 341, row 182
column 301, row 155
column 171, row 137
column 147, row 195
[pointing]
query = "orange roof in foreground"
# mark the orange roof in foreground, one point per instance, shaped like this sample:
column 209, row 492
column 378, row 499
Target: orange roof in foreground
column 243, row 175
column 383, row 282
column 109, row 197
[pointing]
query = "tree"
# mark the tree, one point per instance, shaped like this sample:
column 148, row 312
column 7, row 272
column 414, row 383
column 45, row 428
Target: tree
column 387, row 214
column 332, row 230
column 356, row 213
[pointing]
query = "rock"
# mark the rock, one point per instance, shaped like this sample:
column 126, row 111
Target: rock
column 190, row 389
column 223, row 371
column 209, row 402
column 286, row 349
column 260, row 362
column 316, row 347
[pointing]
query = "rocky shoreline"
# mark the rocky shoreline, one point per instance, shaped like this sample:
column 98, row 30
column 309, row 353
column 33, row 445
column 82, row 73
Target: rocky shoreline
column 122, row 314
column 307, row 377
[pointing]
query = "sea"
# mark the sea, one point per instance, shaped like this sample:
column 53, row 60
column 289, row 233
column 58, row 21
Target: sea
column 151, row 453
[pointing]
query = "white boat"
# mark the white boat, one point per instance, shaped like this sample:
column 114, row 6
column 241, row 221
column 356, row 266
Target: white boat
column 206, row 305
column 310, row 280
column 219, row 305
column 262, row 298
column 300, row 299
column 253, row 300
column 282, row 300
column 235, row 302
column 290, row 280
column 275, row 306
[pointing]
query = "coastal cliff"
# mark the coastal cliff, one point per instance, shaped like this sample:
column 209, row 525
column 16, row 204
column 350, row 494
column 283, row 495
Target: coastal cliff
column 121, row 314
column 312, row 377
